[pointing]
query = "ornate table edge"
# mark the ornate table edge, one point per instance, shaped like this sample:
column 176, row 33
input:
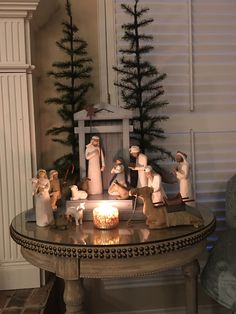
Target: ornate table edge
column 113, row 252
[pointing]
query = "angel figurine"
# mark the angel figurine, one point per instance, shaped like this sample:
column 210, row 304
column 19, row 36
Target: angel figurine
column 43, row 209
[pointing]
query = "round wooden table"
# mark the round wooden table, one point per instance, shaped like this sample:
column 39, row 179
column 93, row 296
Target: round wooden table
column 86, row 252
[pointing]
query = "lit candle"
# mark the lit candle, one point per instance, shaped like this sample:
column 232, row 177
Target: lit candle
column 105, row 217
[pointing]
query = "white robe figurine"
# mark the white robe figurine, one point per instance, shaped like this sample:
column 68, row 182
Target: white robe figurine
column 119, row 175
column 155, row 182
column 43, row 209
column 96, row 165
column 141, row 163
column 182, row 173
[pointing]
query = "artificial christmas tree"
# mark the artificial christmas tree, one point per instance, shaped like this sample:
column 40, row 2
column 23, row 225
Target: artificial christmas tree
column 140, row 84
column 71, row 80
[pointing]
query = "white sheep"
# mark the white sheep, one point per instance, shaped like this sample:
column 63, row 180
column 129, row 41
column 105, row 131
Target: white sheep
column 77, row 194
column 77, row 212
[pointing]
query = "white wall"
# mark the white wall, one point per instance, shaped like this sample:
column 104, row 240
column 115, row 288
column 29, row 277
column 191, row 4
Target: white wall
column 17, row 138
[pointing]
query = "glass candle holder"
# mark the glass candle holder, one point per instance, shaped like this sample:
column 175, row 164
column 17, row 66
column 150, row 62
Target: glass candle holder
column 105, row 217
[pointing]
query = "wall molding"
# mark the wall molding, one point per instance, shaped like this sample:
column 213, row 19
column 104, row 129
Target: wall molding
column 14, row 6
column 13, row 273
column 18, row 155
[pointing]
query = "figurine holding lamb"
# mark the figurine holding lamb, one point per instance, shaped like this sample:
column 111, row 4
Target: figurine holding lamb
column 43, row 209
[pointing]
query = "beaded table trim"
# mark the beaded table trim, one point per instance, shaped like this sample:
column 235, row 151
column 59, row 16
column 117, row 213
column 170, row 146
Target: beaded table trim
column 113, row 252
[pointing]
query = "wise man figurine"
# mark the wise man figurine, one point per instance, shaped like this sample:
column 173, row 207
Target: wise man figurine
column 182, row 173
column 96, row 165
column 141, row 163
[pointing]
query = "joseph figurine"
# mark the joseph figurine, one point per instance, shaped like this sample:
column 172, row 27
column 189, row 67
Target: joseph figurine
column 96, row 165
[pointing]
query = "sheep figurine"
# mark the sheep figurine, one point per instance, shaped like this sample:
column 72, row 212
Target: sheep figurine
column 76, row 212
column 77, row 194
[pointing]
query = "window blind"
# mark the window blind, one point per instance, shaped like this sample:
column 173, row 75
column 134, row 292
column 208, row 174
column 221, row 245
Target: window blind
column 195, row 44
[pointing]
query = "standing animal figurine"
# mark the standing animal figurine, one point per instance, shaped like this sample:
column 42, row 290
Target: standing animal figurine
column 83, row 184
column 76, row 212
column 159, row 217
column 120, row 191
column 77, row 194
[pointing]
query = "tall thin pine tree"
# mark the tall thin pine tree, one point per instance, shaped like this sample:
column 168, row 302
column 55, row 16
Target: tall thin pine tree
column 71, row 80
column 140, row 83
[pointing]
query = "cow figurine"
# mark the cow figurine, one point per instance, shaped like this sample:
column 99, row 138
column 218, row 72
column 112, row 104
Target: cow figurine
column 76, row 212
column 77, row 194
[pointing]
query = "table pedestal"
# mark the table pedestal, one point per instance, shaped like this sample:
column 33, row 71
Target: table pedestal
column 74, row 296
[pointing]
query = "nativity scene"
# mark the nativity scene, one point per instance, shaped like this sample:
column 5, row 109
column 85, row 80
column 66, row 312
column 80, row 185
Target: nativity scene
column 111, row 145
column 154, row 205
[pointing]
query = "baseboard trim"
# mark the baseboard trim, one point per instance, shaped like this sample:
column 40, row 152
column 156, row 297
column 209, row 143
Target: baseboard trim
column 203, row 309
column 18, row 275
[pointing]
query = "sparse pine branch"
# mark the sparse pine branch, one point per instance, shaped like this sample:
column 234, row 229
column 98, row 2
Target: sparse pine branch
column 71, row 78
column 139, row 80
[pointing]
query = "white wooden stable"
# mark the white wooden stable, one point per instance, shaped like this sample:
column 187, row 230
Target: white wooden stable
column 99, row 124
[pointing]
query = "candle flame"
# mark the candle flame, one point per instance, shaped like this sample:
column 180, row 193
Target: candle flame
column 106, row 210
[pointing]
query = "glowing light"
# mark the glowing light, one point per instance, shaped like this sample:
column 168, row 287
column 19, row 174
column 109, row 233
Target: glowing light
column 105, row 216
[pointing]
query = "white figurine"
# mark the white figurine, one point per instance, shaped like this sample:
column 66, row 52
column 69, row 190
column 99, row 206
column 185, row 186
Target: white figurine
column 182, row 173
column 141, row 163
column 43, row 209
column 119, row 176
column 155, row 182
column 96, row 165
column 76, row 212
column 77, row 194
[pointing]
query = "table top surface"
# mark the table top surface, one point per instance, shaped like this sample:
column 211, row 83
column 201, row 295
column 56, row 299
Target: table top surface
column 87, row 241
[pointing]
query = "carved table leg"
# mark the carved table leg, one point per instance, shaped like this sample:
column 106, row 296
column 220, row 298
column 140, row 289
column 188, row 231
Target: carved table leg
column 191, row 272
column 74, row 296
